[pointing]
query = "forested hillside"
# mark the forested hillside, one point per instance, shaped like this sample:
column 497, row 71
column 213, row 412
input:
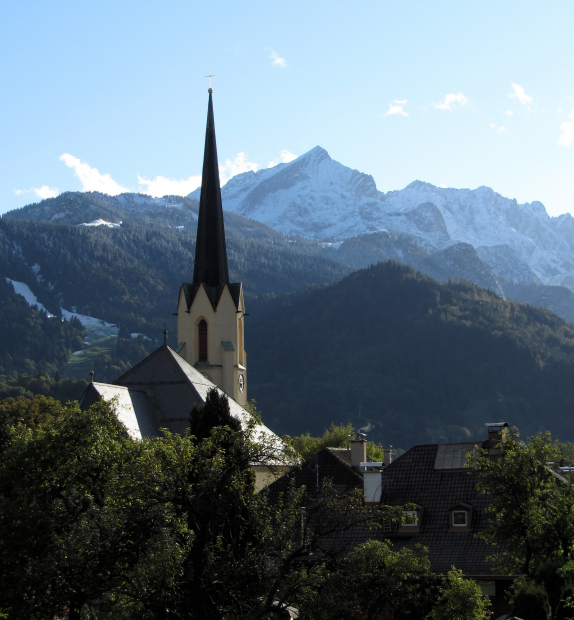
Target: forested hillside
column 131, row 274
column 421, row 361
column 425, row 361
column 31, row 341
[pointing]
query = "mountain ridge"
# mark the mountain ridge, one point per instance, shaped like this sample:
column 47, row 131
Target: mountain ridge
column 519, row 251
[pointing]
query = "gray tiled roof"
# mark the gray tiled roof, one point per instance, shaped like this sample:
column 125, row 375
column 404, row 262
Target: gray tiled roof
column 160, row 392
column 332, row 464
column 413, row 478
column 433, row 476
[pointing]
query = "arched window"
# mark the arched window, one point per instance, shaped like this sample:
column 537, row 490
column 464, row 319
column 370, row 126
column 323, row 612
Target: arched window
column 240, row 341
column 202, row 340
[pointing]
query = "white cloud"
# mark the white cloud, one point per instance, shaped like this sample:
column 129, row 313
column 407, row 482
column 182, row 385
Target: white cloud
column 443, row 185
column 509, row 112
column 401, row 101
column 91, row 179
column 285, row 157
column 520, row 94
column 396, row 109
column 237, row 166
column 41, row 192
column 449, row 100
column 567, row 136
column 501, row 129
column 162, row 186
column 45, row 191
column 278, row 61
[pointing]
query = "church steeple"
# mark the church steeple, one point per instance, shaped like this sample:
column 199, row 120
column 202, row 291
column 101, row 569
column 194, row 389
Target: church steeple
column 210, row 266
column 211, row 310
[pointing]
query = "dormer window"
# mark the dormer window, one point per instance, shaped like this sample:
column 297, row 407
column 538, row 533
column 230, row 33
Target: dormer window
column 460, row 517
column 412, row 519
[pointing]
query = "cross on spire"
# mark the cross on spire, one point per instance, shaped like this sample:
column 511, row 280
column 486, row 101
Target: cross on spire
column 211, row 75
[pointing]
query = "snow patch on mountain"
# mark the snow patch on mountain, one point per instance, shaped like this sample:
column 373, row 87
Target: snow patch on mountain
column 100, row 222
column 24, row 290
column 95, row 328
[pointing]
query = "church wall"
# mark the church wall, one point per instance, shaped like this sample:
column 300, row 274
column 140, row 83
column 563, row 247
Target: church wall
column 223, row 325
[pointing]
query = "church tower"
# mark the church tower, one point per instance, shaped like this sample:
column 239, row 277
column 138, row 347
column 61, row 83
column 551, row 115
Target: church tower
column 210, row 310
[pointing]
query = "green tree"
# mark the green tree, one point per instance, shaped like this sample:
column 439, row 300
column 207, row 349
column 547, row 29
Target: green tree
column 530, row 601
column 532, row 507
column 372, row 581
column 460, row 599
column 65, row 537
column 336, row 436
column 214, row 412
column 31, row 412
column 232, row 553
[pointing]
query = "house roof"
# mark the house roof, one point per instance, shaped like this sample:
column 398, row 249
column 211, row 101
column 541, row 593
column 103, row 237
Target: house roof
column 434, row 477
column 332, row 464
column 419, row 477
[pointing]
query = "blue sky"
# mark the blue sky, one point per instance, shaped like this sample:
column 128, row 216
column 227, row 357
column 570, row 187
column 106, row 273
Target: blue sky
column 112, row 95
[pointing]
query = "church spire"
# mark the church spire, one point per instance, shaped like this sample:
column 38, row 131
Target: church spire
column 210, row 266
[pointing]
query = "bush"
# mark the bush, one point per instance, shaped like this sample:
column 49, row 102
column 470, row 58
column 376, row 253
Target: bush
column 565, row 608
column 530, row 601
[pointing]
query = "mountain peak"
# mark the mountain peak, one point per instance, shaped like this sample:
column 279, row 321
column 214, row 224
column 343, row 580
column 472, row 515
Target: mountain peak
column 316, row 153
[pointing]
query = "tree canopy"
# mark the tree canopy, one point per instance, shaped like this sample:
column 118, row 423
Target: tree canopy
column 93, row 522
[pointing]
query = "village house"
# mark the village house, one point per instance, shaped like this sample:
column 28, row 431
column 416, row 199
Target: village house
column 445, row 511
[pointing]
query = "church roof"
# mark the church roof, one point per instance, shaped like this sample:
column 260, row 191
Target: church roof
column 210, row 252
column 213, row 293
column 160, row 392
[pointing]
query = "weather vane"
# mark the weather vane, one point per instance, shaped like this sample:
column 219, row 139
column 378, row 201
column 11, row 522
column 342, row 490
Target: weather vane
column 211, row 75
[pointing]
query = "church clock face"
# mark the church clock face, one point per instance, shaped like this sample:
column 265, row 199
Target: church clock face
column 241, row 382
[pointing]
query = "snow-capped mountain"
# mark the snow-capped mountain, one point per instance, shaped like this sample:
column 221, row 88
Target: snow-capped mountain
column 319, row 198
column 312, row 196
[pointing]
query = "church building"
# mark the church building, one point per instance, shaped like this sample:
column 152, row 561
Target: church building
column 161, row 390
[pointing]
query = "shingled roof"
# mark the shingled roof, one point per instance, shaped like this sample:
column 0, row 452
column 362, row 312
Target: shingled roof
column 434, row 477
column 421, row 477
column 333, row 464
column 160, row 392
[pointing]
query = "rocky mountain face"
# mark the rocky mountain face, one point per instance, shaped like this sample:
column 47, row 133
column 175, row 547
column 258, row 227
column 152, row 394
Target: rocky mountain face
column 516, row 250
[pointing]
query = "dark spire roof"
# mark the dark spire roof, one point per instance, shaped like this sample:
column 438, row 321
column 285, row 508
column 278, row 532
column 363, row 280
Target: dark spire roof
column 210, row 253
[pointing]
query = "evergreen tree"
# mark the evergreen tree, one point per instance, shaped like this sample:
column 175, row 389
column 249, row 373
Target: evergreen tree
column 214, row 412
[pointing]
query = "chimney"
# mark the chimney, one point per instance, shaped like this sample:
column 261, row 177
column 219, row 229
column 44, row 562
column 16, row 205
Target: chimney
column 388, row 456
column 372, row 482
column 494, row 435
column 358, row 452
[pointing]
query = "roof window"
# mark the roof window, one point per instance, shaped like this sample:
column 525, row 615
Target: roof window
column 460, row 517
column 412, row 519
